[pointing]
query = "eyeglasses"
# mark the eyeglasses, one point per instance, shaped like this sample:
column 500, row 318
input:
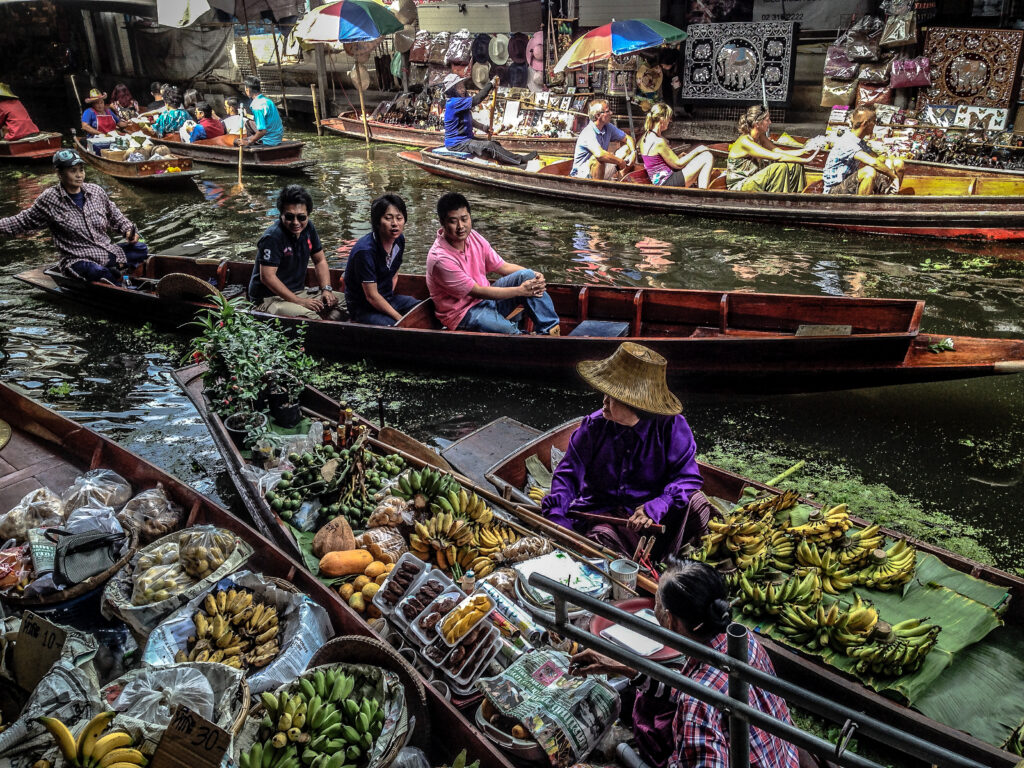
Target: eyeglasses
column 295, row 217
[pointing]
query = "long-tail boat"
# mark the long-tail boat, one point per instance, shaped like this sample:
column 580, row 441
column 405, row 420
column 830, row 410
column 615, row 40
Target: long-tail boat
column 722, row 339
column 149, row 173
column 285, row 157
column 955, row 208
column 510, row 476
column 41, row 146
column 47, row 449
column 350, row 125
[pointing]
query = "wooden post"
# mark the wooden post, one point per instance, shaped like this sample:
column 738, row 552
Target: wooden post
column 321, row 76
column 280, row 71
column 316, row 111
column 241, row 147
column 362, row 106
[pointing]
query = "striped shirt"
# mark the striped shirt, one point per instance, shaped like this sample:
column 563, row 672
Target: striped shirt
column 700, row 732
column 80, row 234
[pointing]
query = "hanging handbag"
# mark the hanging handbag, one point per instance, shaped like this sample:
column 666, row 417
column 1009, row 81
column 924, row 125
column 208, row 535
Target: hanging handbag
column 911, row 73
column 438, row 47
column 420, row 48
column 838, row 65
column 838, row 93
column 81, row 556
column 417, row 74
column 460, row 49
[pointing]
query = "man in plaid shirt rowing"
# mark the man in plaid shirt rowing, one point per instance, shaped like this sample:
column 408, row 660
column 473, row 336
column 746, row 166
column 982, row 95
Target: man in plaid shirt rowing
column 79, row 216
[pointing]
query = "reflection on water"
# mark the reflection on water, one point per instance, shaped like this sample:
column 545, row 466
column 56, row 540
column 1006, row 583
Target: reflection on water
column 927, row 441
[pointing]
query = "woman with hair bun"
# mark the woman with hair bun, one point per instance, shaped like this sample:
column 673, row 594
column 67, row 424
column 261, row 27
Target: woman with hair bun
column 758, row 164
column 672, row 728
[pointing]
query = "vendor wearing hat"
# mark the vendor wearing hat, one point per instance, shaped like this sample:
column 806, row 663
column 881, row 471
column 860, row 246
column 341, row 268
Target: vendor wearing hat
column 14, row 120
column 79, row 216
column 98, row 118
column 634, row 459
column 458, row 123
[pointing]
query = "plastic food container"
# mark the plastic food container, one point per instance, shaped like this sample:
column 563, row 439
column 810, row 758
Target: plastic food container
column 438, row 659
column 407, row 560
column 475, row 666
column 426, row 637
column 417, row 589
column 477, row 595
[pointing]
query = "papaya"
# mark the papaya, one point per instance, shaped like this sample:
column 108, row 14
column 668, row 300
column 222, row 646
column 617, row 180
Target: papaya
column 345, row 563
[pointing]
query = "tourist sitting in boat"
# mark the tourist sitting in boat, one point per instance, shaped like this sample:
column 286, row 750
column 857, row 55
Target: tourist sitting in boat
column 635, row 460
column 853, row 169
column 173, row 117
column 594, row 157
column 156, row 91
column 206, row 125
column 457, row 267
column 269, row 128
column 278, row 282
column 674, row 729
column 14, row 120
column 98, row 118
column 189, row 101
column 235, row 121
column 664, row 167
column 79, row 216
column 758, row 164
column 123, row 103
column 458, row 123
column 371, row 273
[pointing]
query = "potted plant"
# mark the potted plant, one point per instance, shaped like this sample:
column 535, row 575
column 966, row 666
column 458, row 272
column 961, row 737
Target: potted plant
column 283, row 391
column 246, row 427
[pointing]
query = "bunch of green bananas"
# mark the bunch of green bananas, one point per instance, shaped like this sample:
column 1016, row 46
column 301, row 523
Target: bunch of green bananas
column 323, row 723
column 896, row 650
column 770, row 598
column 813, row 628
column 90, row 749
column 460, row 762
column 764, row 502
column 854, row 546
column 463, row 505
column 890, row 568
column 834, row 578
column 823, row 526
column 421, row 486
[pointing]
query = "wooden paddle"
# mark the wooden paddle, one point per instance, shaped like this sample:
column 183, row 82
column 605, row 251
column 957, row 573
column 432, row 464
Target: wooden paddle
column 413, row 447
column 241, row 135
column 621, row 522
column 494, row 102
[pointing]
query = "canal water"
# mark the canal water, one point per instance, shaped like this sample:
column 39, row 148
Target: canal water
column 951, row 450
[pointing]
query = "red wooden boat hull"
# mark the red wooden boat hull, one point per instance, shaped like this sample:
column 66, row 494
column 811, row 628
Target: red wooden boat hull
column 350, row 125
column 286, row 157
column 38, row 147
column 717, row 340
column 962, row 217
column 150, row 173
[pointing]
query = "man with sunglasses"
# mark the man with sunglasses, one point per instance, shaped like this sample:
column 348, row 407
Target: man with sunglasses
column 79, row 216
column 278, row 282
column 593, row 158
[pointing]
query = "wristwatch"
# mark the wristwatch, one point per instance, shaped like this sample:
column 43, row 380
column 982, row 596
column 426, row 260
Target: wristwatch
column 327, row 288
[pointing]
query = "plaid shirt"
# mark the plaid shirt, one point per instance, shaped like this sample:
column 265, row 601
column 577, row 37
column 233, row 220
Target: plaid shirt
column 80, row 235
column 699, row 730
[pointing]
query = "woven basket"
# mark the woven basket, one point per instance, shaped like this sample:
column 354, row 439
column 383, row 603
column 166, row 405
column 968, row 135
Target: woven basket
column 245, row 703
column 181, row 287
column 357, row 649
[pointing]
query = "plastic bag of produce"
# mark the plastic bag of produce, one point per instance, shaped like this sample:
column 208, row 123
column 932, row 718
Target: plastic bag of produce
column 385, row 544
column 503, row 580
column 93, row 518
column 152, row 513
column 391, row 512
column 302, row 627
column 159, row 583
column 201, row 551
column 41, row 508
column 152, row 694
column 15, row 567
column 97, row 487
column 117, row 597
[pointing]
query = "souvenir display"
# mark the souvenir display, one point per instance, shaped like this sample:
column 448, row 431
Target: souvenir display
column 731, row 62
column 972, row 66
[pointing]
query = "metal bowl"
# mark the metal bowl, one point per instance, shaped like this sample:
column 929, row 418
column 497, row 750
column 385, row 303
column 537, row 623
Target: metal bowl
column 524, row 750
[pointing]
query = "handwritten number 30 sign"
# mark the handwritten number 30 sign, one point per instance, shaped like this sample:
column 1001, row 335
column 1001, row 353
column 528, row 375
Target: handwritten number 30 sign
column 190, row 741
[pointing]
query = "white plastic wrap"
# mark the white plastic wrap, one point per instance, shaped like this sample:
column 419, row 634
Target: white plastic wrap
column 154, row 694
column 97, row 487
column 41, row 508
column 93, row 518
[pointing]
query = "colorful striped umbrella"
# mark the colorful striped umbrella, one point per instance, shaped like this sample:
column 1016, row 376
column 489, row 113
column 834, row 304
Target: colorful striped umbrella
column 347, row 21
column 618, row 39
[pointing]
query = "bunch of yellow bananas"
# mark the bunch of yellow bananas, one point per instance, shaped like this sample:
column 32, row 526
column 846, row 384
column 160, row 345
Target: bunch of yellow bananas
column 896, row 650
column 890, row 568
column 233, row 629
column 536, row 493
column 464, row 505
column 834, row 578
column 823, row 526
column 854, row 546
column 90, row 749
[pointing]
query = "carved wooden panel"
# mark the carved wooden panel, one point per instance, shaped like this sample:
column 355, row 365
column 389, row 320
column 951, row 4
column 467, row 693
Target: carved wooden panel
column 728, row 62
column 976, row 67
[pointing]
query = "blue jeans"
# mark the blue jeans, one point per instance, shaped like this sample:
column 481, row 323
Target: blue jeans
column 398, row 301
column 489, row 315
column 135, row 253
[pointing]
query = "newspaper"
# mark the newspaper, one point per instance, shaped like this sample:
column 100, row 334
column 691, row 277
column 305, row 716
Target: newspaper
column 567, row 715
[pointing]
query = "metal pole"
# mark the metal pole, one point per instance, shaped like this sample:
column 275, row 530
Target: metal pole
column 739, row 731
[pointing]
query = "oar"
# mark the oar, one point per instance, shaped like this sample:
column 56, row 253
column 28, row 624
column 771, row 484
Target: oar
column 399, row 439
column 241, row 135
column 490, row 124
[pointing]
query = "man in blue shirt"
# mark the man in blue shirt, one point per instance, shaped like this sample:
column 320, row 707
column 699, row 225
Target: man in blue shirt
column 458, row 123
column 278, row 282
column 269, row 128
column 372, row 270
column 852, row 168
column 592, row 157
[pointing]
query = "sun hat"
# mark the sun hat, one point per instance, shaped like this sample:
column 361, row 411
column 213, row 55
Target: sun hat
column 66, row 158
column 497, row 49
column 517, row 47
column 535, row 80
column 404, row 39
column 481, row 73
column 535, row 51
column 95, row 95
column 634, row 375
column 648, row 78
column 6, row 92
column 450, row 81
column 479, row 49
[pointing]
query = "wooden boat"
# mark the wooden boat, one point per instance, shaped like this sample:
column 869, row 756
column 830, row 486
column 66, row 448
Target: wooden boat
column 927, row 206
column 721, row 339
column 313, row 403
column 350, row 125
column 286, row 157
column 38, row 147
column 149, row 173
column 509, row 476
column 49, row 449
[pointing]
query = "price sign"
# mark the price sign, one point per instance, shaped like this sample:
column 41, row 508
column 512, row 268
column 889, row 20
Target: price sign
column 190, row 741
column 39, row 646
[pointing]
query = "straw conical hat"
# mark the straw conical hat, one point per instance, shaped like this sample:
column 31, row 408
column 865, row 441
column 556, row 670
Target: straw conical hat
column 634, row 375
column 6, row 92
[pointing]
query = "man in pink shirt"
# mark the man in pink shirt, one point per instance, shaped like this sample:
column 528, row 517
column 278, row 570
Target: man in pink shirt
column 457, row 267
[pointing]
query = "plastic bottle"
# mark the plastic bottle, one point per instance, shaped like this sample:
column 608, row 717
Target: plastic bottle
column 468, row 581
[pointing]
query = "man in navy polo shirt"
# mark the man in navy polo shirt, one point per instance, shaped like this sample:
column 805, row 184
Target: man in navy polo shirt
column 372, row 270
column 278, row 282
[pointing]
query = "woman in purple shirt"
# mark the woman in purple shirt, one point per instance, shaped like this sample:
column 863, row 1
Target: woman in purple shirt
column 634, row 459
